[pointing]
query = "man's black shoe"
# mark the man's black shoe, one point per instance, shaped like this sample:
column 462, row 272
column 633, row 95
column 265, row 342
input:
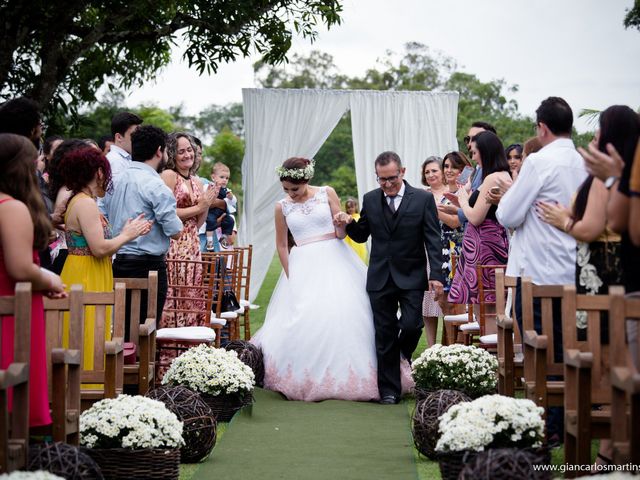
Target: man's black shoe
column 389, row 400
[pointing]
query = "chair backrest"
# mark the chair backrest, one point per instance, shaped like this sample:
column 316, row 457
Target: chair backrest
column 137, row 288
column 487, row 297
column 189, row 294
column 226, row 267
column 61, row 332
column 244, row 276
column 14, row 433
column 505, row 283
column 597, row 309
column 546, row 294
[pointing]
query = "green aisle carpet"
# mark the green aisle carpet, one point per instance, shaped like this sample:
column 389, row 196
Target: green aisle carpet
column 278, row 439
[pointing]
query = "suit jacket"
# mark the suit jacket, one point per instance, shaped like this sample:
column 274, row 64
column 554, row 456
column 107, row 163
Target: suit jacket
column 398, row 243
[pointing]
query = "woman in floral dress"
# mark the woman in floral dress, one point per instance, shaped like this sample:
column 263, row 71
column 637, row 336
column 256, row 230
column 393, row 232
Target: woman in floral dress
column 192, row 206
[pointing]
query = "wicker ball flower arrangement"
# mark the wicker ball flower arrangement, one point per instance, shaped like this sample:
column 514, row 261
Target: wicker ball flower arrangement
column 507, row 464
column 132, row 437
column 424, row 424
column 63, row 460
column 250, row 355
column 224, row 382
column 199, row 425
column 469, row 369
column 492, row 421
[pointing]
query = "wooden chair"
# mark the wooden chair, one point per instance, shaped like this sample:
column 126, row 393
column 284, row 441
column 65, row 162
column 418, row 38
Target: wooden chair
column 587, row 373
column 539, row 359
column 226, row 267
column 625, row 380
column 189, row 299
column 242, row 292
column 488, row 337
column 14, row 428
column 143, row 335
column 459, row 325
column 105, row 378
column 64, row 367
column 509, row 361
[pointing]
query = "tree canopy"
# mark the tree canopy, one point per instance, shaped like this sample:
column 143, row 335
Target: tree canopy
column 61, row 54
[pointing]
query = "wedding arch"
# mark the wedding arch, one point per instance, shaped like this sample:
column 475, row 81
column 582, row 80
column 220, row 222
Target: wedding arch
column 282, row 123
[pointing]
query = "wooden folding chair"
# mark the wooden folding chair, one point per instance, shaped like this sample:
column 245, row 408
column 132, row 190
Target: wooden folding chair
column 625, row 379
column 14, row 428
column 587, row 374
column 509, row 363
column 488, row 337
column 143, row 335
column 539, row 359
column 64, row 366
column 226, row 268
column 186, row 320
column 242, row 292
column 459, row 325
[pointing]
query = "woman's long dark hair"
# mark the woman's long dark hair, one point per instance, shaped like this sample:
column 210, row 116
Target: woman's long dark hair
column 619, row 126
column 18, row 179
column 492, row 153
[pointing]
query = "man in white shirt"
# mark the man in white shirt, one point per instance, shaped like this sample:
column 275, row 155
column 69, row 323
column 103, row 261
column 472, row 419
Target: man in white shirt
column 553, row 174
column 123, row 124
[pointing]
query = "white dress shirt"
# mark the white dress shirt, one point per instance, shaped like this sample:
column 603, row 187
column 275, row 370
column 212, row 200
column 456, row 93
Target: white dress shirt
column 397, row 199
column 119, row 159
column 539, row 250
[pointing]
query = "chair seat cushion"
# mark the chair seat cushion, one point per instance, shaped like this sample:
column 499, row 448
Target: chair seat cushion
column 462, row 317
column 218, row 321
column 470, row 327
column 491, row 339
column 205, row 334
column 228, row 315
column 246, row 303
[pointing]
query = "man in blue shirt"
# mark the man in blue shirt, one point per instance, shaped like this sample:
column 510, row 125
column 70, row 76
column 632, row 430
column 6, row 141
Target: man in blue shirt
column 141, row 190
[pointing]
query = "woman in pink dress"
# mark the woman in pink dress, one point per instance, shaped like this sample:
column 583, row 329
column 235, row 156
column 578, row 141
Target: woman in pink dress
column 25, row 229
column 193, row 204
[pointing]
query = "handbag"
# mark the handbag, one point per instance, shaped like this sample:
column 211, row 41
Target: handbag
column 229, row 301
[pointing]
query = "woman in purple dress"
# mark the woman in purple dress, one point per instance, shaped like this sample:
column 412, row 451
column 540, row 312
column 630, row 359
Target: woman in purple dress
column 485, row 240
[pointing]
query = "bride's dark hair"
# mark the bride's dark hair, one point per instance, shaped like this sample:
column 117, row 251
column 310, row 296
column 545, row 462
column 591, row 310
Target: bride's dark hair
column 295, row 163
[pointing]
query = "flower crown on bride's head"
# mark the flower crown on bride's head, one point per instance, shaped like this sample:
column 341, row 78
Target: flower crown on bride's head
column 305, row 173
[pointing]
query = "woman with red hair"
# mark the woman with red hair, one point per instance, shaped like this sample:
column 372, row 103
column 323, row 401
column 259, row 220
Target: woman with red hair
column 87, row 174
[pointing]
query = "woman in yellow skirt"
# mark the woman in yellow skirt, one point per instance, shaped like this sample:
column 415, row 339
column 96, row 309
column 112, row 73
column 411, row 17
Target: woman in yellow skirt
column 87, row 173
column 351, row 207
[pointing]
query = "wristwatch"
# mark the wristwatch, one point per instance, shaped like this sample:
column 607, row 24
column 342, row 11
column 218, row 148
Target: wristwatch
column 608, row 183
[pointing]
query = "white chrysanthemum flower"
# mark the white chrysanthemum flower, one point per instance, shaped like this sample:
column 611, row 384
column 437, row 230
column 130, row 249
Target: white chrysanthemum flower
column 491, row 421
column 210, row 370
column 37, row 475
column 461, row 367
column 130, row 422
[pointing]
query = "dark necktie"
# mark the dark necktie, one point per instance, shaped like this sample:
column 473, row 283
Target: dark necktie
column 392, row 203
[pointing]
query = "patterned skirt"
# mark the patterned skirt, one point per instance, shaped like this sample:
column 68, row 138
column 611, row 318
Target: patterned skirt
column 486, row 244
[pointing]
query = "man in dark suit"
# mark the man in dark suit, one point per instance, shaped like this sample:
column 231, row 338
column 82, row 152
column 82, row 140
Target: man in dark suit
column 404, row 228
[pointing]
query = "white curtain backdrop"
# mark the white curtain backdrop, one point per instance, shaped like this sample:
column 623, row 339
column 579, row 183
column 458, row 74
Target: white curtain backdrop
column 415, row 125
column 279, row 124
column 282, row 123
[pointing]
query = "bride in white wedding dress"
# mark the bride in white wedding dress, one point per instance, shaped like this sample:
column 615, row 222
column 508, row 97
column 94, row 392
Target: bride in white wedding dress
column 318, row 336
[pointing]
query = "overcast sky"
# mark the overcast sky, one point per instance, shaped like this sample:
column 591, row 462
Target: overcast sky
column 577, row 49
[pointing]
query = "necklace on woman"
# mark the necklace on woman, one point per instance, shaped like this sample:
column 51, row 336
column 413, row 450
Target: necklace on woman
column 186, row 177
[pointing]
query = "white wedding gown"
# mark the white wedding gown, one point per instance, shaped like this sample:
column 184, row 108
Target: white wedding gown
column 318, row 338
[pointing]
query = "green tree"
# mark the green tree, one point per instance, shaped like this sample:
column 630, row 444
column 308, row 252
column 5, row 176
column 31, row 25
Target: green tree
column 227, row 148
column 632, row 18
column 60, row 55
